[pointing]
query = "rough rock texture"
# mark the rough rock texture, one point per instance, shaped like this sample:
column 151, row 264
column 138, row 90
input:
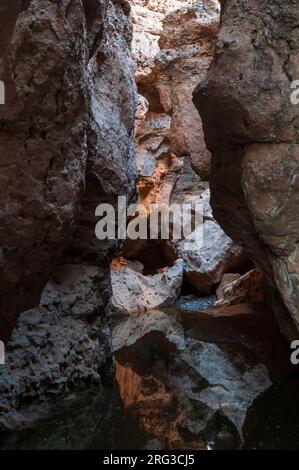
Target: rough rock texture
column 135, row 293
column 235, row 289
column 66, row 132
column 186, row 391
column 216, row 253
column 172, row 48
column 251, row 127
column 55, row 349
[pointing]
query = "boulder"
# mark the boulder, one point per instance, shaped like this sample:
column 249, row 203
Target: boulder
column 212, row 253
column 134, row 292
column 236, row 289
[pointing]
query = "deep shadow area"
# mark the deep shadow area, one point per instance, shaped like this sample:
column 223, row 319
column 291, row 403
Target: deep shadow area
column 96, row 421
column 272, row 420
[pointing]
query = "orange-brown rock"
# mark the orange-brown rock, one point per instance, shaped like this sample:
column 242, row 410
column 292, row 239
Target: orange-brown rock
column 251, row 128
column 172, row 49
column 177, row 384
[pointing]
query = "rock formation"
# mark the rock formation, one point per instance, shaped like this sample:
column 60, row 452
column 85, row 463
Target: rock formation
column 66, row 145
column 194, row 340
column 173, row 46
column 66, row 138
column 251, row 128
column 134, row 293
column 172, row 49
column 189, row 372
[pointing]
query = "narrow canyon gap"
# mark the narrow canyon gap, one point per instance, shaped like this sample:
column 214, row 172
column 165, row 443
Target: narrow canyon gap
column 100, row 103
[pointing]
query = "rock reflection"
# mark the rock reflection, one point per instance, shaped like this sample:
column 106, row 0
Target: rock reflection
column 189, row 392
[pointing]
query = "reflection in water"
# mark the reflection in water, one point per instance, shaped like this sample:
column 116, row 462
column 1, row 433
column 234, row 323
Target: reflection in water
column 190, row 378
column 95, row 422
column 98, row 422
column 178, row 391
column 188, row 392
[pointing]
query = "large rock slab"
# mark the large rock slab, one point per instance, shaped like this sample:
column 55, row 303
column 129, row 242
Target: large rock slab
column 56, row 349
column 212, row 253
column 135, row 293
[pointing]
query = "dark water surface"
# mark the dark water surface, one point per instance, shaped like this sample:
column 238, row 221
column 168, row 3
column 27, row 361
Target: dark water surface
column 98, row 422
column 273, row 420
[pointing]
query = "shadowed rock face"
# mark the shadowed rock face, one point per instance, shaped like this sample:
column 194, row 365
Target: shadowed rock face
column 251, row 128
column 66, row 138
column 173, row 45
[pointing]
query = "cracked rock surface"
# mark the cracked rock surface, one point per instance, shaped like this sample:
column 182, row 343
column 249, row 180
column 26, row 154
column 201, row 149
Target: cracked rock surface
column 251, row 128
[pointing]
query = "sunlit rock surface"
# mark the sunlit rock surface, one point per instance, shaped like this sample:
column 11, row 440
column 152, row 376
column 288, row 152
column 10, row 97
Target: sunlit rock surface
column 133, row 292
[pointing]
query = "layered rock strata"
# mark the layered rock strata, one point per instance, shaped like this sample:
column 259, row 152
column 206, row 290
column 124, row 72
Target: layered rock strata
column 172, row 48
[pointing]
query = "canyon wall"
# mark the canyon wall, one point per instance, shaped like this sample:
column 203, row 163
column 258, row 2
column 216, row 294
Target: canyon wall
column 251, row 128
column 66, row 145
column 66, row 139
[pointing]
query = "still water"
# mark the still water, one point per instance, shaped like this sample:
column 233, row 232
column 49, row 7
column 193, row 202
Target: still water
column 98, row 422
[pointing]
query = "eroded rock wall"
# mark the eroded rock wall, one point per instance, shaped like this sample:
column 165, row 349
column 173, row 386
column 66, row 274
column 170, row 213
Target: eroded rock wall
column 251, row 128
column 172, row 50
column 66, row 138
column 173, row 47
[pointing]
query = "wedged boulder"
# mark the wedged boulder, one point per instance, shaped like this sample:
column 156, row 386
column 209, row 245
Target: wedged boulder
column 218, row 255
column 236, row 289
column 212, row 253
column 183, row 389
column 135, row 293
